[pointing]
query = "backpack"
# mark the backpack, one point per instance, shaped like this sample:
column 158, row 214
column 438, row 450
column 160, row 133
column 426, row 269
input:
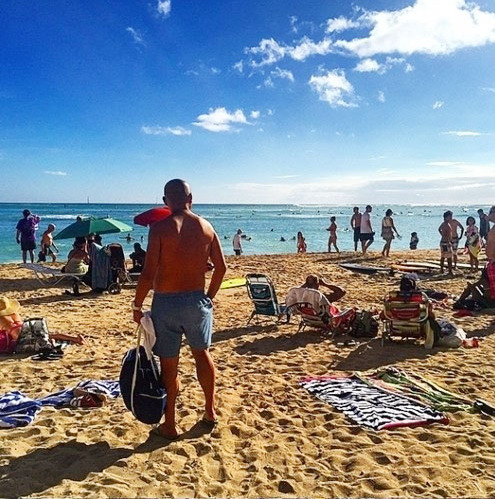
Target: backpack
column 34, row 337
column 141, row 386
column 364, row 325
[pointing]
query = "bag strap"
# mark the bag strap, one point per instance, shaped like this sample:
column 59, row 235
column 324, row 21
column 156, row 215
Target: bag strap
column 136, row 361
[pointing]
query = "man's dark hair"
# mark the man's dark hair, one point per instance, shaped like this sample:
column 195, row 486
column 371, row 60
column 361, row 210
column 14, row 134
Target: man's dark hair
column 447, row 214
column 26, row 213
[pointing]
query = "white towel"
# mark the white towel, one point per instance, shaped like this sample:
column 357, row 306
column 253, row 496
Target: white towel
column 314, row 297
column 148, row 334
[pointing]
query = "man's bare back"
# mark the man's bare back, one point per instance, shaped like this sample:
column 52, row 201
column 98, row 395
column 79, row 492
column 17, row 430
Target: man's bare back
column 182, row 245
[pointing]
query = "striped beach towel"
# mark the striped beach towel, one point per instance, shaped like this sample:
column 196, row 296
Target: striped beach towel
column 371, row 406
column 18, row 410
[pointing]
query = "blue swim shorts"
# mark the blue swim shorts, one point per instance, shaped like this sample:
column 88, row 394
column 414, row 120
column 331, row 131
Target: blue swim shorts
column 174, row 314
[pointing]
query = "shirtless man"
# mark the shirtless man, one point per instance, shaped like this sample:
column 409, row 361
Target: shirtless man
column 455, row 224
column 179, row 248
column 314, row 282
column 366, row 235
column 445, row 230
column 47, row 243
column 356, row 225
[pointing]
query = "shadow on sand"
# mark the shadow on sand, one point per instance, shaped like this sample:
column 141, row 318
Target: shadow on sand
column 44, row 468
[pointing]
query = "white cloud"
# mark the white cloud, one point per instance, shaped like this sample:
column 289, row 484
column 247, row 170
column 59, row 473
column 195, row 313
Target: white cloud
column 381, row 96
column 270, row 51
column 429, row 27
column 334, row 88
column 368, row 66
column 438, row 104
column 463, row 133
column 270, row 112
column 293, row 23
column 162, row 130
column 136, row 35
column 220, row 120
column 341, row 24
column 282, row 73
column 489, row 89
column 254, row 115
column 164, row 7
column 239, row 66
column 286, row 176
column 408, row 68
column 444, row 163
column 57, row 173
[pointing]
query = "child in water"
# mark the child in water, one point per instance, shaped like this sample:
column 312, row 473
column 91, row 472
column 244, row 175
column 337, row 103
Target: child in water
column 301, row 243
column 333, row 236
column 413, row 244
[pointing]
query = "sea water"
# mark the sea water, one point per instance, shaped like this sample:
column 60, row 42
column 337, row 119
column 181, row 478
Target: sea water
column 264, row 225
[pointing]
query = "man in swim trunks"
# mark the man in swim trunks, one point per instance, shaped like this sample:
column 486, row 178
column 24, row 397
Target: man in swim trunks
column 456, row 225
column 445, row 230
column 484, row 225
column 47, row 244
column 356, row 225
column 26, row 234
column 179, row 248
column 366, row 235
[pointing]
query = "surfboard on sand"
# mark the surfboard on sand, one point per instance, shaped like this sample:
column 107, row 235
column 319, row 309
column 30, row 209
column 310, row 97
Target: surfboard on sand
column 459, row 265
column 233, row 283
column 363, row 269
column 403, row 267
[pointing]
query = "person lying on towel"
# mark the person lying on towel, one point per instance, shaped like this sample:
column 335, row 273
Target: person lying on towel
column 335, row 292
column 11, row 322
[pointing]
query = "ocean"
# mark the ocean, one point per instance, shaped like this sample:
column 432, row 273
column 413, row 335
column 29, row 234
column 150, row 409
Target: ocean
column 264, row 225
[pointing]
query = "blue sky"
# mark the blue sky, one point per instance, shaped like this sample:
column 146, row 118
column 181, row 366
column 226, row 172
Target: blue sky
column 321, row 101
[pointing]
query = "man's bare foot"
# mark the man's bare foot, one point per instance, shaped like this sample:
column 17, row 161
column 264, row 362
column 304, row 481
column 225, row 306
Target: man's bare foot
column 165, row 432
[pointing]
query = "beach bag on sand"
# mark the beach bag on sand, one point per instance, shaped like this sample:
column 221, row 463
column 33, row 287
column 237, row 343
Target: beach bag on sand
column 141, row 386
column 364, row 325
column 34, row 337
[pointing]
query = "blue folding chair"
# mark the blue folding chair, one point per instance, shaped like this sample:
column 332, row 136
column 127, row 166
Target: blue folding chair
column 262, row 293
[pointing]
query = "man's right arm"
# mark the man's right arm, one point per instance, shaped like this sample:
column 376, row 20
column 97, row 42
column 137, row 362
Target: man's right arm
column 218, row 260
column 353, row 221
column 17, row 235
column 145, row 282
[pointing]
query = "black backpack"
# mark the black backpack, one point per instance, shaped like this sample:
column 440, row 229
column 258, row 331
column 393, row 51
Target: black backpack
column 364, row 325
column 141, row 386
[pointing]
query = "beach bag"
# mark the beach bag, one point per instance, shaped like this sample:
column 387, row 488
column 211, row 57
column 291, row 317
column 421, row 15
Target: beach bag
column 141, row 386
column 34, row 337
column 364, row 325
column 450, row 336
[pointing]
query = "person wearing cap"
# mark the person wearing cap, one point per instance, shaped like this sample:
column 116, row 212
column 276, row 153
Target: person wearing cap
column 11, row 321
column 26, row 234
column 236, row 243
column 47, row 244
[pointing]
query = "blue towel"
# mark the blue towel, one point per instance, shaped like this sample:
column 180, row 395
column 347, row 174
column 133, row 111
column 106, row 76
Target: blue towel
column 17, row 410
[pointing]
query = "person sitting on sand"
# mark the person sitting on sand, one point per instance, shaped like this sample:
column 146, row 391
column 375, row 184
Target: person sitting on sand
column 77, row 259
column 314, row 282
column 11, row 321
column 477, row 295
column 47, row 244
column 138, row 258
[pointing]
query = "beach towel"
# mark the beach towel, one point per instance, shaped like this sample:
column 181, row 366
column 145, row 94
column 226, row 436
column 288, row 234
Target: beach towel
column 371, row 406
column 18, row 410
column 307, row 295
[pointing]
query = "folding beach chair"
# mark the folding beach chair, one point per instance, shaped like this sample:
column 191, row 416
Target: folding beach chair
column 48, row 276
column 262, row 293
column 317, row 312
column 405, row 315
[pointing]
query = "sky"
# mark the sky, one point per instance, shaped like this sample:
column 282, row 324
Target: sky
column 280, row 101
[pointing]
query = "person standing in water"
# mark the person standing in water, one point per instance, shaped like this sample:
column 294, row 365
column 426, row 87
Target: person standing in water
column 301, row 243
column 366, row 230
column 26, row 234
column 332, row 240
column 388, row 229
column 356, row 226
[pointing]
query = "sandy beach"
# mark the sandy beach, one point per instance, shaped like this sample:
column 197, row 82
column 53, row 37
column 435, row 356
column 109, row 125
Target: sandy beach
column 274, row 439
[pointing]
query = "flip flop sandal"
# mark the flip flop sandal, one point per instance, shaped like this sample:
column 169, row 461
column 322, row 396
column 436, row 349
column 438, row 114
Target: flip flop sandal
column 49, row 354
column 86, row 401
